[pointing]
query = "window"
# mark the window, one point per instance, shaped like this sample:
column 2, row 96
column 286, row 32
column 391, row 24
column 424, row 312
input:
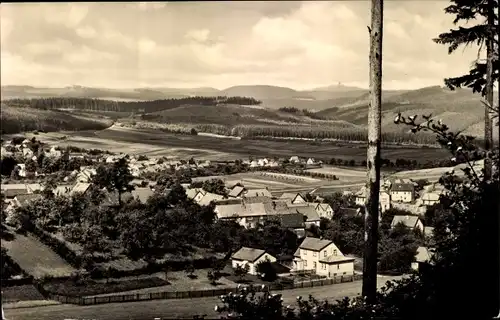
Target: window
column 338, row 266
column 324, row 253
column 305, row 263
column 345, row 273
column 304, row 252
column 314, row 253
column 314, row 265
column 324, row 266
column 334, row 252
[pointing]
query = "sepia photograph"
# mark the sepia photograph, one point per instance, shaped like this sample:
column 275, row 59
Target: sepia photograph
column 265, row 160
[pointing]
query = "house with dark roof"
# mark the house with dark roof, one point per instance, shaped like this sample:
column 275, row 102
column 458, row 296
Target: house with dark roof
column 310, row 213
column 322, row 257
column 402, row 191
column 294, row 222
column 250, row 257
column 411, row 222
column 236, row 192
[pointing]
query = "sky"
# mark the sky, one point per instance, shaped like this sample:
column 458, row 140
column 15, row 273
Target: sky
column 301, row 45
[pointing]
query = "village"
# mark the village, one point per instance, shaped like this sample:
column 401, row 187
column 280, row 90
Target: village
column 247, row 205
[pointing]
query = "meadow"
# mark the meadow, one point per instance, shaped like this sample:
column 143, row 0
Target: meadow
column 22, row 119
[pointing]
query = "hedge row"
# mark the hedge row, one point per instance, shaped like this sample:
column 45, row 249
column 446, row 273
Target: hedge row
column 59, row 247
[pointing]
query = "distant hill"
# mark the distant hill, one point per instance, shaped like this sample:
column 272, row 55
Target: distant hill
column 459, row 109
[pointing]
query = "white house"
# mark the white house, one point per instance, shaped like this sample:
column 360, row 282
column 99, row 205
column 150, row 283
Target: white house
column 384, row 201
column 310, row 161
column 322, row 257
column 262, row 162
column 251, row 258
column 294, row 159
column 423, row 256
column 254, row 164
column 412, row 222
column 430, row 198
column 324, row 210
column 294, row 198
column 403, row 192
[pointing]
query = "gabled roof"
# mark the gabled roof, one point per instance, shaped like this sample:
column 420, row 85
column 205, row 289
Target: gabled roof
column 423, row 254
column 191, row 193
column 240, row 210
column 32, row 187
column 314, row 244
column 62, row 190
column 349, row 211
column 430, row 196
column 408, row 221
column 248, row 254
column 12, row 193
column 288, row 195
column 208, row 198
column 258, row 199
column 236, row 191
column 80, row 187
column 142, row 194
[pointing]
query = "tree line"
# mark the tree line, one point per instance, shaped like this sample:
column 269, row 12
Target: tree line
column 125, row 106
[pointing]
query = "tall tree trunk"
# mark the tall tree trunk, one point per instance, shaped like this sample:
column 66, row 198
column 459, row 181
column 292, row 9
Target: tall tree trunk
column 488, row 130
column 373, row 154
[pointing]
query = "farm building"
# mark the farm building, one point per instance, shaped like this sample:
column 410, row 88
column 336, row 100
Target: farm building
column 294, row 198
column 430, row 198
column 258, row 193
column 402, row 190
column 250, row 257
column 411, row 222
column 294, row 222
column 384, row 198
column 324, row 210
column 208, row 198
column 322, row 257
column 309, row 212
column 236, row 192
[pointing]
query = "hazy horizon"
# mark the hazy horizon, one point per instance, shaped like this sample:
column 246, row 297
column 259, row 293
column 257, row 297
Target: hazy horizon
column 300, row 45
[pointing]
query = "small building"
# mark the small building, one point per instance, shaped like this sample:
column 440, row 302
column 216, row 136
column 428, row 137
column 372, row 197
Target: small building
column 422, row 257
column 310, row 161
column 250, row 257
column 142, row 194
column 80, row 188
column 310, row 214
column 430, row 198
column 294, row 198
column 208, row 198
column 411, row 222
column 324, row 210
column 384, row 201
column 10, row 191
column 294, row 222
column 236, row 192
column 294, row 159
column 402, row 192
column 322, row 257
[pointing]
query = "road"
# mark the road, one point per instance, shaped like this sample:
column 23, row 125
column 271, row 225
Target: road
column 171, row 309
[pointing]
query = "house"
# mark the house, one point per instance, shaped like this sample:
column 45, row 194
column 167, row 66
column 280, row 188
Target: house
column 310, row 214
column 34, row 187
column 258, row 192
column 423, row 257
column 208, row 198
column 294, row 222
column 85, row 175
column 247, row 215
column 412, row 222
column 294, row 159
column 250, row 257
column 402, row 191
column 430, row 198
column 236, row 192
column 262, row 162
column 350, row 211
column 322, row 257
column 80, row 187
column 21, row 170
column 62, row 190
column 195, row 194
column 10, row 191
column 254, row 164
column 294, row 198
column 310, row 161
column 384, row 201
column 142, row 194
column 324, row 210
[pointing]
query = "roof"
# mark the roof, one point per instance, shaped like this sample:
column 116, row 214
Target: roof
column 32, row 187
column 336, row 259
column 292, row 221
column 258, row 192
column 423, row 254
column 80, row 187
column 208, row 198
column 248, row 254
column 288, row 195
column 7, row 186
column 240, row 210
column 349, row 211
column 191, row 193
column 274, row 207
column 309, row 212
column 236, row 191
column 430, row 196
column 62, row 190
column 142, row 194
column 408, row 221
column 11, row 193
column 24, row 199
column 314, row 244
column 258, row 199
column 402, row 187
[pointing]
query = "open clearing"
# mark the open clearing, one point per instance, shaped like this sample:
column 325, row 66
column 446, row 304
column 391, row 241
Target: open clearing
column 36, row 258
column 435, row 173
column 157, row 143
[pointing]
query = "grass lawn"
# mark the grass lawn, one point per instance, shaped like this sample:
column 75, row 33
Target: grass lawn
column 20, row 293
column 90, row 287
column 36, row 258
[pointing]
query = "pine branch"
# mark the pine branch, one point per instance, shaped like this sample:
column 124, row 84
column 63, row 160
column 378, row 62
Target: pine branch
column 463, row 36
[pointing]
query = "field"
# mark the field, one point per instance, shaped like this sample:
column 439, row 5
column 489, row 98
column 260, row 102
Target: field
column 157, row 143
column 435, row 173
column 35, row 258
column 16, row 120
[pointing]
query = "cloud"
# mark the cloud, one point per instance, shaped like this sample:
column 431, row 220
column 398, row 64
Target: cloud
column 297, row 44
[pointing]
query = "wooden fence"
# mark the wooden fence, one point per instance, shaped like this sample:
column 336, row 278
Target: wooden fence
column 193, row 294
